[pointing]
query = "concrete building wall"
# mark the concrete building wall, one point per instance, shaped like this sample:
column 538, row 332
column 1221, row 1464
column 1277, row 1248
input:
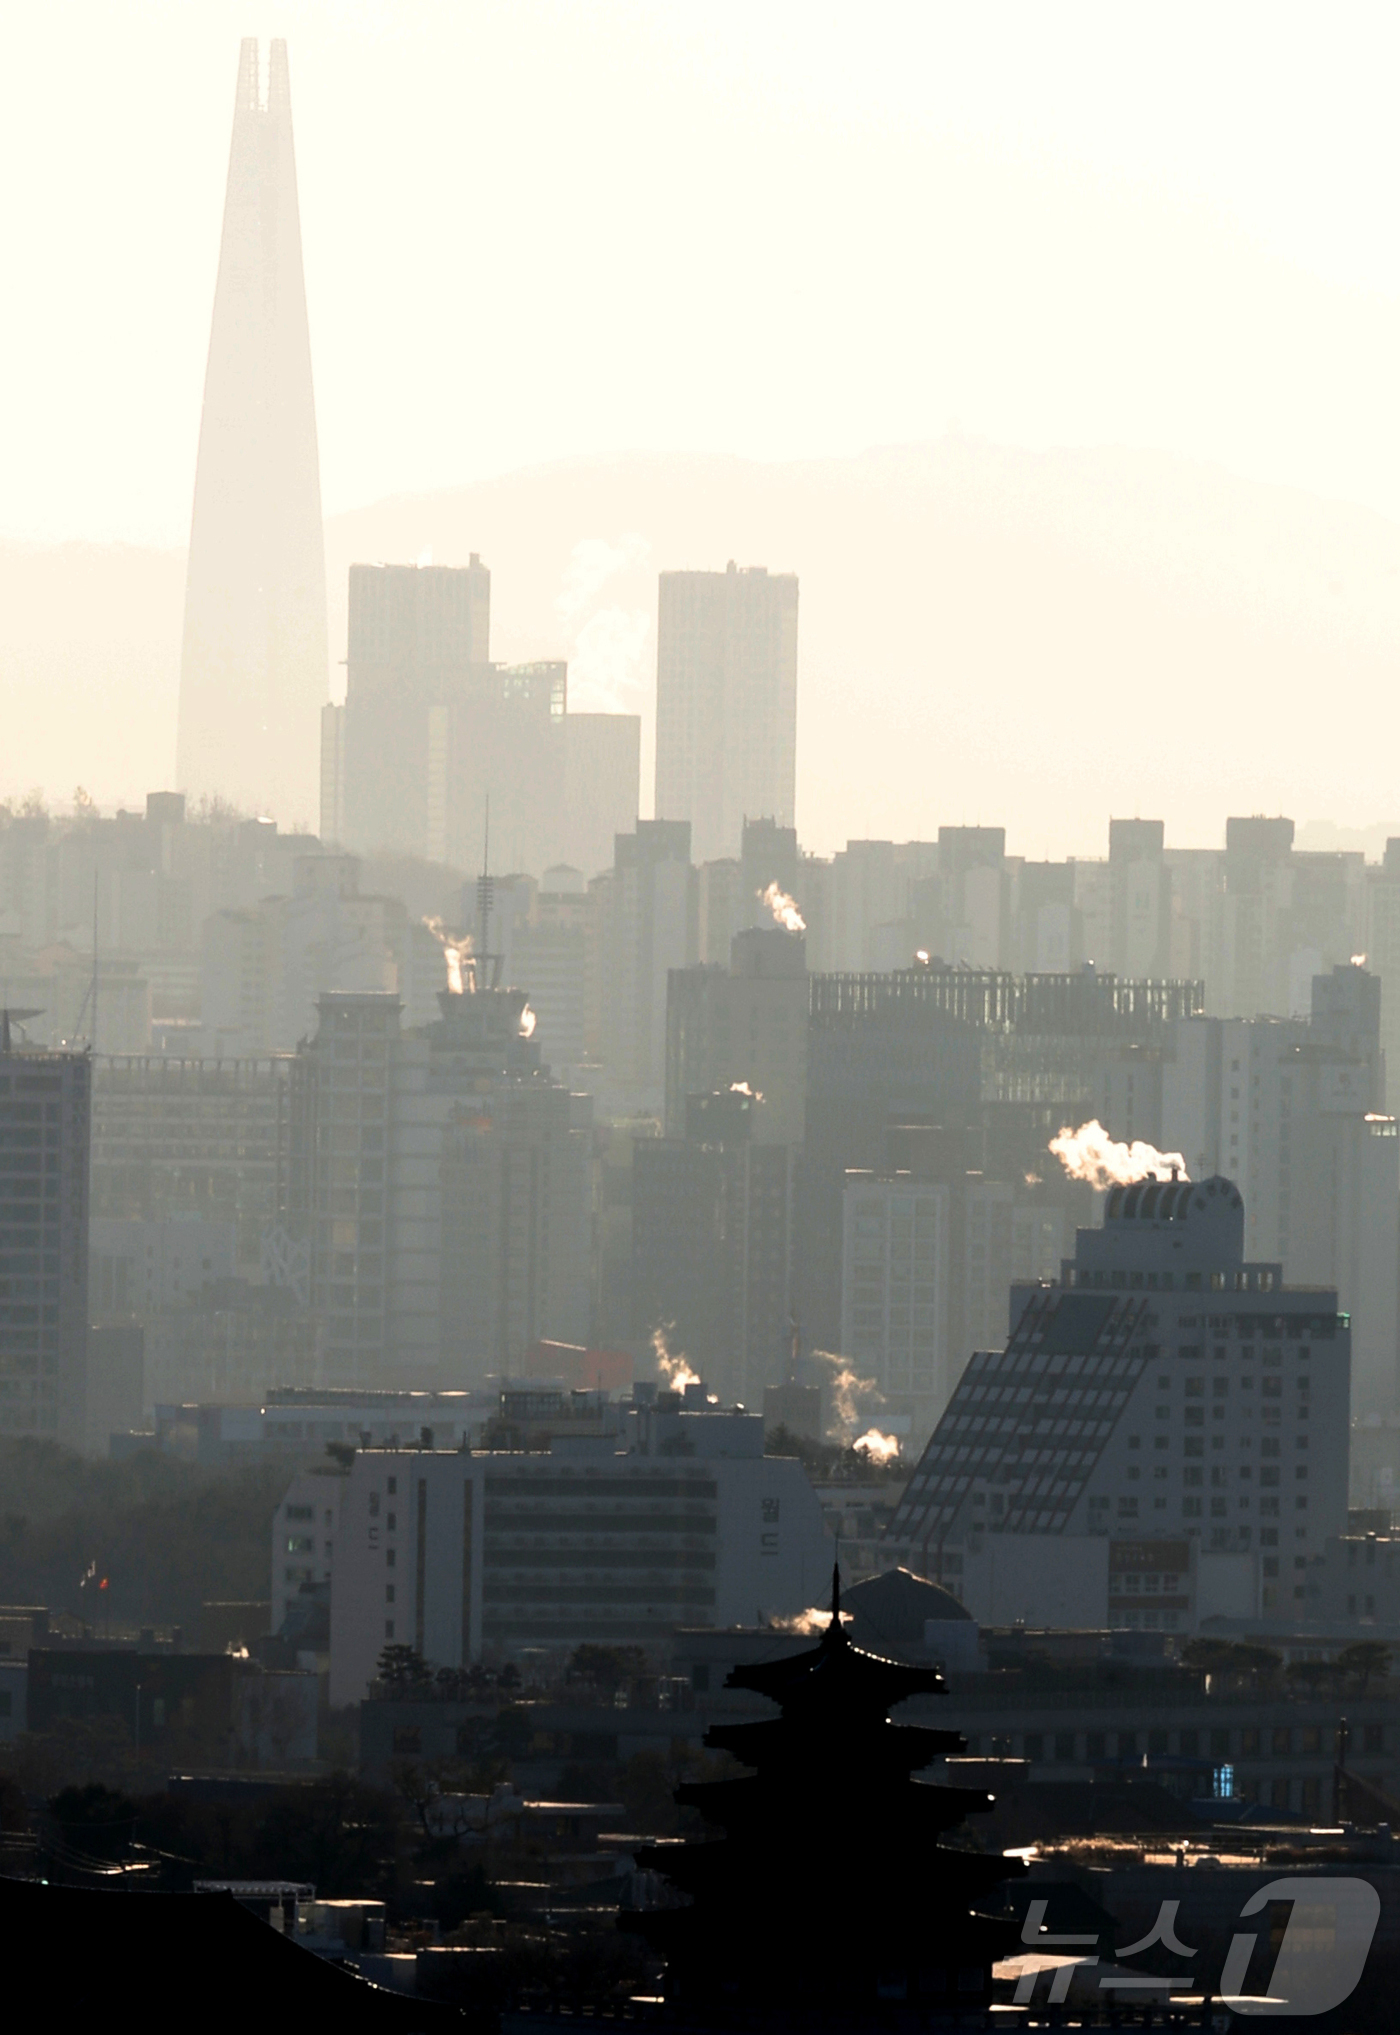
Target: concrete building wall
column 465, row 1556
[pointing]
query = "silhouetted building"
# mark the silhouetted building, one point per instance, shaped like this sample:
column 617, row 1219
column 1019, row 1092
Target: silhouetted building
column 726, row 702
column 777, row 1919
column 253, row 667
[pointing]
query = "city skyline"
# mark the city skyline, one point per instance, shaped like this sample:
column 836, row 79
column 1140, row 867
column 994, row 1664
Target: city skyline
column 1226, row 564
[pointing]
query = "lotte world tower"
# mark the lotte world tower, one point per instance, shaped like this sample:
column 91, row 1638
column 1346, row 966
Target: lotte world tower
column 253, row 668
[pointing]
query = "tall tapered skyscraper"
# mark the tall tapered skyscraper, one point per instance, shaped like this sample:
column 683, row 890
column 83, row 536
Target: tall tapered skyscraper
column 253, row 668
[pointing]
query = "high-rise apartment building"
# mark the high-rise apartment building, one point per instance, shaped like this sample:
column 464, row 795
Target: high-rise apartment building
column 418, row 646
column 253, row 666
column 432, row 732
column 439, row 1182
column 1291, row 1110
column 726, row 702
column 649, row 908
column 1140, row 899
column 45, row 1123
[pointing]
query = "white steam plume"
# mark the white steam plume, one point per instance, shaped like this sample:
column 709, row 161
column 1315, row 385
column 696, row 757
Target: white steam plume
column 847, row 1389
column 807, row 1624
column 453, row 951
column 877, row 1447
column 1091, row 1154
column 783, row 908
column 592, row 563
column 673, row 1365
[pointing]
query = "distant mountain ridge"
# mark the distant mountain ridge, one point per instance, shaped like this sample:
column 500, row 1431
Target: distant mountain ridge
column 1031, row 639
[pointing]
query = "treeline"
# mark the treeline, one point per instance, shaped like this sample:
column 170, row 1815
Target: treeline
column 166, row 1535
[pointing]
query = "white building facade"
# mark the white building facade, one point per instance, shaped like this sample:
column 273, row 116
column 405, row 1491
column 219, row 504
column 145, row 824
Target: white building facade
column 470, row 1556
column 1166, row 1395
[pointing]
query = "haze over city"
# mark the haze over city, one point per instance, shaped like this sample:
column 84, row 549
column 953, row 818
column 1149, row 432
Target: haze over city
column 700, row 1016
column 1125, row 293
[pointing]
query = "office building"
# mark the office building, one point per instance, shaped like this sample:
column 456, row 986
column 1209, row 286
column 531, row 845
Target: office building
column 139, row 1269
column 1163, row 1439
column 254, row 666
column 742, row 1025
column 726, row 702
column 45, row 1127
column 178, row 1137
column 304, row 1530
column 678, row 1518
column 712, row 1215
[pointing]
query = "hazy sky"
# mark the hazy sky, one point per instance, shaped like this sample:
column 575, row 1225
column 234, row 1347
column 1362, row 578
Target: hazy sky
column 773, row 229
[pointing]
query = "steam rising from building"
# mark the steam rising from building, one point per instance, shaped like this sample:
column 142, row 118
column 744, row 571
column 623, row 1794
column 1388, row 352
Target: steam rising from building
column 673, row 1365
column 1089, row 1153
column 846, row 1390
column 783, row 908
column 454, row 951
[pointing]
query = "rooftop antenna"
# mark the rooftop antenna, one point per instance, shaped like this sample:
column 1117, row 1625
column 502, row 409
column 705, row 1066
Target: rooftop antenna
column 488, row 972
column 90, row 993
